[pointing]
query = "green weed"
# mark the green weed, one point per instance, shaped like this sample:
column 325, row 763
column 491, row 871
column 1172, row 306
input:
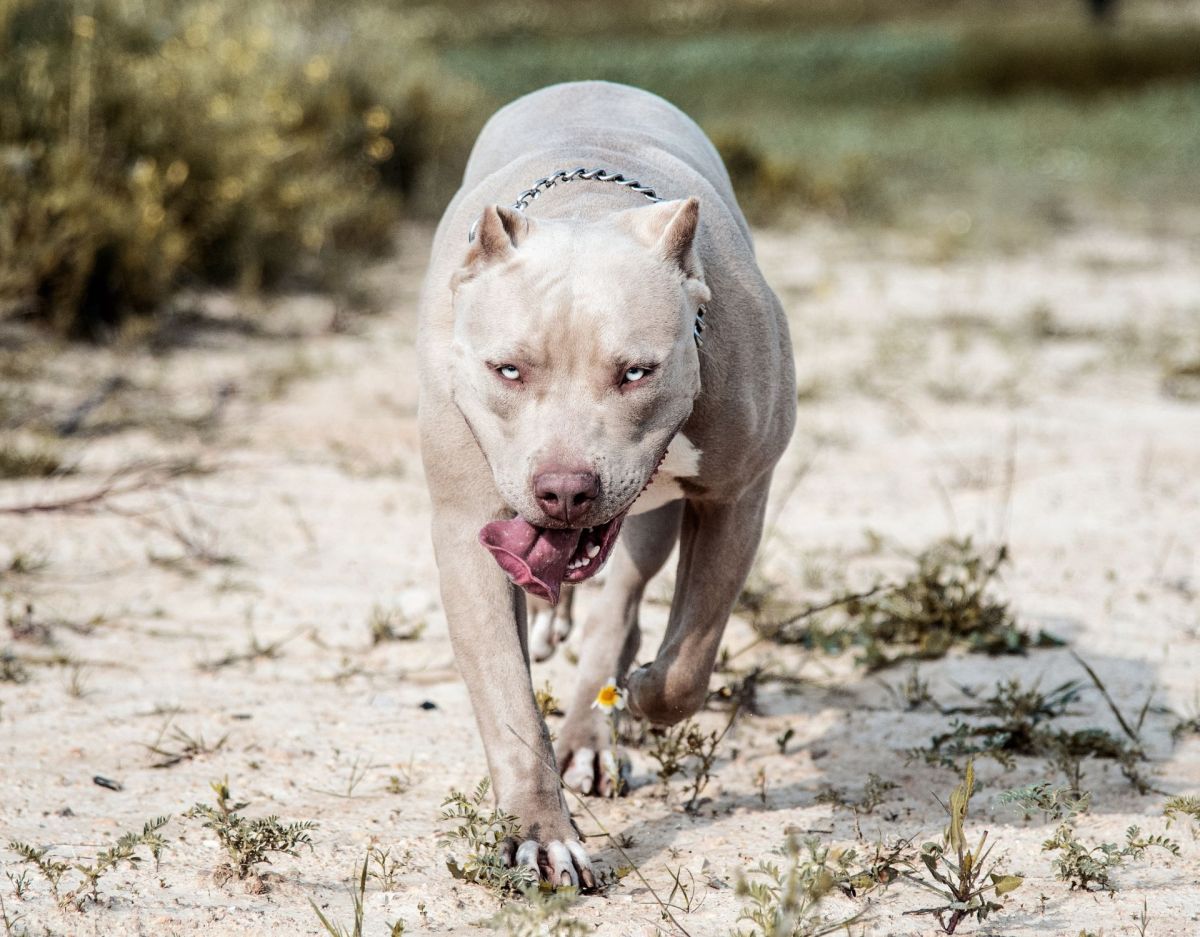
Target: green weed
column 87, row 887
column 482, row 833
column 396, row 929
column 784, row 900
column 687, row 750
column 391, row 624
column 947, row 602
column 1019, row 721
column 540, row 914
column 1090, row 868
column 962, row 877
column 248, row 842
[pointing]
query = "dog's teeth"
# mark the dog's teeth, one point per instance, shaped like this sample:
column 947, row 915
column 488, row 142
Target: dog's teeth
column 593, row 551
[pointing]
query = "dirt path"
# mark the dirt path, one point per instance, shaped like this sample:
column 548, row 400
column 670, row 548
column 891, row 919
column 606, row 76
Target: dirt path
column 1016, row 398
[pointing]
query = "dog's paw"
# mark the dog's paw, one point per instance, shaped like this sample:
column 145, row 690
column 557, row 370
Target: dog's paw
column 548, row 628
column 559, row 863
column 602, row 772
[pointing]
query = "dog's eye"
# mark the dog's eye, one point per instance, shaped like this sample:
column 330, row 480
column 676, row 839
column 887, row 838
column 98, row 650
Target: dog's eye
column 633, row 375
column 510, row 372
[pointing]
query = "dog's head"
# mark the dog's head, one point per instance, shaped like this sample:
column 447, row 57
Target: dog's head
column 574, row 362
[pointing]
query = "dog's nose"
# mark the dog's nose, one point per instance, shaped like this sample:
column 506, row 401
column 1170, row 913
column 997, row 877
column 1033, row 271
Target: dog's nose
column 566, row 496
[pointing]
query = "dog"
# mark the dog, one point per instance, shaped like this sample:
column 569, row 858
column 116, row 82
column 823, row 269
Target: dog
column 604, row 373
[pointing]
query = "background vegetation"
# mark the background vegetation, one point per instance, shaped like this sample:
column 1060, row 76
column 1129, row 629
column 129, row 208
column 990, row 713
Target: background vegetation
column 148, row 145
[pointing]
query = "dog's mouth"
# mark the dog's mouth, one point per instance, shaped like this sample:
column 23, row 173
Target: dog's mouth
column 541, row 559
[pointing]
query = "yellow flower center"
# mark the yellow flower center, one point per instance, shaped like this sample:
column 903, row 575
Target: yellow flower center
column 607, row 696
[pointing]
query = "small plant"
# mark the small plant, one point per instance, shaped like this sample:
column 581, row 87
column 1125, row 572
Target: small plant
column 385, row 868
column 610, row 700
column 391, row 624
column 1183, row 806
column 784, row 902
column 248, row 843
column 686, row 749
column 547, row 702
column 181, row 746
column 124, row 850
column 11, row 668
column 913, row 693
column 946, row 602
column 541, row 914
column 874, row 793
column 1089, row 868
column 963, row 876
column 483, row 833
column 1054, row 803
column 396, row 929
column 1019, row 721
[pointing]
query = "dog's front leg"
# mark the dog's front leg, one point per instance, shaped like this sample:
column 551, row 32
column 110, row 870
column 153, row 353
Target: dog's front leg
column 486, row 618
column 716, row 549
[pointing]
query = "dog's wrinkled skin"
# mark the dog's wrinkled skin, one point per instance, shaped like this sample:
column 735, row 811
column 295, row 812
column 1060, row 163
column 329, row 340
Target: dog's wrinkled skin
column 527, row 339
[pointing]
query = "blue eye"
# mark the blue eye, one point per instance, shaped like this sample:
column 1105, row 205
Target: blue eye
column 510, row 372
column 633, row 375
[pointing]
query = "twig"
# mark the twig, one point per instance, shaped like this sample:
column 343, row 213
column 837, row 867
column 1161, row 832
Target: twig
column 807, row 612
column 71, row 423
column 125, row 480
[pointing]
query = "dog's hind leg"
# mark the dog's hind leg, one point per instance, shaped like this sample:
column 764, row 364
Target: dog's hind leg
column 611, row 637
column 717, row 546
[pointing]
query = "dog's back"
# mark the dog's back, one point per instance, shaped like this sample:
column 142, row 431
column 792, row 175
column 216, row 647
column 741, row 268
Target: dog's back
column 562, row 124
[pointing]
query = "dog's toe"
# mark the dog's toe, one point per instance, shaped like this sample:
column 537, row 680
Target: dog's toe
column 558, row 863
column 605, row 774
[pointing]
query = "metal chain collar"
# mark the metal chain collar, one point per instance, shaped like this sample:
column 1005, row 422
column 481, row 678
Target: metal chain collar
column 594, row 175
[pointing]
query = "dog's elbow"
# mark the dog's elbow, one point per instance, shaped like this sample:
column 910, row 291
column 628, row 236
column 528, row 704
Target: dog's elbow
column 664, row 701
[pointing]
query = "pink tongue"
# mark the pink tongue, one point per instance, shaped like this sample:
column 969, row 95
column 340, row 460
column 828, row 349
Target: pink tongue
column 535, row 558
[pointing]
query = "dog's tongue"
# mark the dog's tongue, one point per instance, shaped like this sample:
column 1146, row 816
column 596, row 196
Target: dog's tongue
column 535, row 558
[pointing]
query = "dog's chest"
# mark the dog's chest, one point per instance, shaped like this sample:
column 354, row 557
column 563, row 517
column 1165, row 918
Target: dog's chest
column 681, row 461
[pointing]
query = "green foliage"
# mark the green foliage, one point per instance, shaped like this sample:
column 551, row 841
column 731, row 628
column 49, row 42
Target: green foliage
column 395, row 929
column 543, row 913
column 875, row 792
column 1019, row 721
column 1183, row 806
column 248, row 842
column 783, row 901
column 124, row 850
column 483, row 834
column 391, row 624
column 12, row 670
column 962, row 876
column 151, row 143
column 686, row 749
column 947, row 602
column 1053, row 803
column 1089, row 868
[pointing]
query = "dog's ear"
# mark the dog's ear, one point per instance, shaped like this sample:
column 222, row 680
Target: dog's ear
column 669, row 228
column 497, row 233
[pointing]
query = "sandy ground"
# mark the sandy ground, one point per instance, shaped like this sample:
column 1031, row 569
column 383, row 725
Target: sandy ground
column 1009, row 397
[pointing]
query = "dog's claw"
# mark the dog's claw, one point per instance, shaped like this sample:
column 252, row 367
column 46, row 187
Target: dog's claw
column 561, row 864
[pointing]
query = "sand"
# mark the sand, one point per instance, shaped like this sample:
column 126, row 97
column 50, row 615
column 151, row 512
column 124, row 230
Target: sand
column 1012, row 397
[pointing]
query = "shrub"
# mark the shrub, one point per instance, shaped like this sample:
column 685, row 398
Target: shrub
column 149, row 144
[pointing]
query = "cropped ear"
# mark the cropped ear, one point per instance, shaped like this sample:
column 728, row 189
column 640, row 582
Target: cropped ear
column 669, row 228
column 497, row 233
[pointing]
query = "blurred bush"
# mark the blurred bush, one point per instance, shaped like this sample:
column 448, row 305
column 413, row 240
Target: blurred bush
column 149, row 144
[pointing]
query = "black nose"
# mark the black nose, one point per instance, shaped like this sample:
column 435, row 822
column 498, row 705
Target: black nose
column 566, row 496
